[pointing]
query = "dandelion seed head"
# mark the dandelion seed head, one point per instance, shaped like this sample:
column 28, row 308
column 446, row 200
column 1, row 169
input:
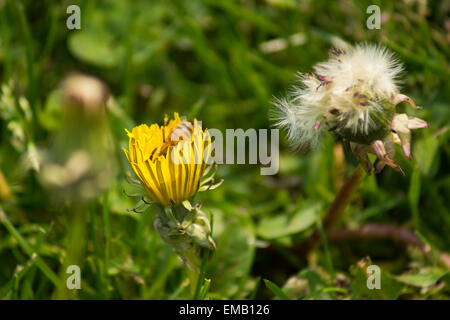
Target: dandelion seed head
column 288, row 116
column 353, row 94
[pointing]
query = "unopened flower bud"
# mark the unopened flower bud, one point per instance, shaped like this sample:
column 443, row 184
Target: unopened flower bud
column 84, row 92
column 185, row 231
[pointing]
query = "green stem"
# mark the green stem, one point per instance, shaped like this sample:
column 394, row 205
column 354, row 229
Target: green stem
column 338, row 206
column 201, row 275
column 343, row 197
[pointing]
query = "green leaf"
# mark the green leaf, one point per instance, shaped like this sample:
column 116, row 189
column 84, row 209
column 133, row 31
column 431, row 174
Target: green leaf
column 424, row 278
column 380, row 207
column 317, row 284
column 414, row 195
column 287, row 224
column 254, row 291
column 276, row 290
column 50, row 116
column 96, row 48
column 390, row 288
column 425, row 154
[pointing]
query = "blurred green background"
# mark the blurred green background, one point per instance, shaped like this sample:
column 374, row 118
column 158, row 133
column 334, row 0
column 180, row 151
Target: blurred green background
column 221, row 61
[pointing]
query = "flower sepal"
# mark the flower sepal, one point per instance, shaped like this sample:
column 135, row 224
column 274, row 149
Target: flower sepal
column 372, row 124
column 186, row 229
column 197, row 226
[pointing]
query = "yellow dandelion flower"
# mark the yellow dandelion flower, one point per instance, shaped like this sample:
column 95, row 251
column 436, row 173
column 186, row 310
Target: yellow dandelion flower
column 169, row 160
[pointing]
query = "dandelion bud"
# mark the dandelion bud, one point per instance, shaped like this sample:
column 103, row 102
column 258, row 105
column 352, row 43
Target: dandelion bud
column 85, row 92
column 183, row 245
column 186, row 231
column 354, row 95
column 80, row 164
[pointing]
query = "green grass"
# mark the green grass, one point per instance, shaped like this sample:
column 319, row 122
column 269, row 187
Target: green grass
column 203, row 58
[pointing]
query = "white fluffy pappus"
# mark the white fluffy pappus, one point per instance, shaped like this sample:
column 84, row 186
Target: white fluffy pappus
column 345, row 92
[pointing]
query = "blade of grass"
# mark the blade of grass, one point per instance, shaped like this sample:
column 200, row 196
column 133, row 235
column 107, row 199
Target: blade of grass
column 19, row 273
column 30, row 69
column 250, row 16
column 276, row 290
column 205, row 289
column 252, row 294
column 28, row 249
column 380, row 208
column 195, row 109
column 5, row 33
column 323, row 238
column 413, row 196
column 167, row 267
column 106, row 236
column 431, row 64
column 183, row 285
column 51, row 36
column 97, row 255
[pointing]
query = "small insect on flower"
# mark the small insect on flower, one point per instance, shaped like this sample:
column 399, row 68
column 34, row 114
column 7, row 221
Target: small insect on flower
column 183, row 131
column 353, row 95
column 170, row 162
